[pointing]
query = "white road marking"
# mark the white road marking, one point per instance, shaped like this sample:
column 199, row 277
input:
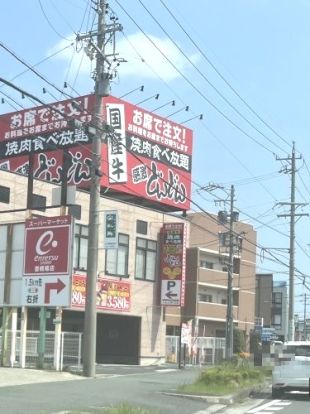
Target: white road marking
column 274, row 405
column 165, row 370
column 214, row 408
column 283, row 403
column 265, row 412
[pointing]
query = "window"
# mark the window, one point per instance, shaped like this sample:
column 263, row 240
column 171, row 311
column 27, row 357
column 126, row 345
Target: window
column 172, row 330
column 4, row 194
column 204, row 297
column 3, row 246
column 277, row 298
column 206, row 264
column 141, row 227
column 235, row 298
column 146, row 252
column 18, row 237
column 80, row 247
column 276, row 319
column 38, row 202
column 116, row 260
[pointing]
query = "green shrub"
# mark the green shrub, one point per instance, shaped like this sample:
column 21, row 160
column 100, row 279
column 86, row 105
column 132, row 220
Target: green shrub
column 230, row 375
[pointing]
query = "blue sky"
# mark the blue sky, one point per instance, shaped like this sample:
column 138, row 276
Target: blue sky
column 261, row 49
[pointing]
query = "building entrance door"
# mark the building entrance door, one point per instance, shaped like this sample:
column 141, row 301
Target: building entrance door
column 118, row 339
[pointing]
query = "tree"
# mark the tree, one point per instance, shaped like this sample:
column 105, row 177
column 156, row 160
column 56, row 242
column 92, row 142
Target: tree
column 239, row 341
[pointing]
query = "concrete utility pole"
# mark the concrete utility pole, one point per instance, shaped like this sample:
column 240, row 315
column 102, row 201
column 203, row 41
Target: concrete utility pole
column 305, row 330
column 230, row 315
column 101, row 90
column 105, row 34
column 305, row 316
column 229, row 243
column 293, row 205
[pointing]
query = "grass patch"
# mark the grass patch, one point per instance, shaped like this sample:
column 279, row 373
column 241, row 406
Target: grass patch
column 226, row 379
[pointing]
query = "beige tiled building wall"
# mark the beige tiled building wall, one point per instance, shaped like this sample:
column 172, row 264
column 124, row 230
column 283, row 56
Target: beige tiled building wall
column 145, row 302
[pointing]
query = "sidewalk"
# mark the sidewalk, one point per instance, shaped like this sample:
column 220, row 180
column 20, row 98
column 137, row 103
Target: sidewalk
column 19, row 376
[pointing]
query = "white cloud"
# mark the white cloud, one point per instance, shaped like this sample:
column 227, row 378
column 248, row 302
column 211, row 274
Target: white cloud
column 154, row 63
column 151, row 64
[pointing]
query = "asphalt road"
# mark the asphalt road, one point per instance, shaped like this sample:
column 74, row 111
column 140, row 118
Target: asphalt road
column 291, row 403
column 143, row 386
column 263, row 403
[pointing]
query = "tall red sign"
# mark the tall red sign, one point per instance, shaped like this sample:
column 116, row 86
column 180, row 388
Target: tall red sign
column 173, row 264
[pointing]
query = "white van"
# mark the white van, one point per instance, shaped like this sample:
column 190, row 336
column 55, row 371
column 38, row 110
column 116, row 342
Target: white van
column 292, row 368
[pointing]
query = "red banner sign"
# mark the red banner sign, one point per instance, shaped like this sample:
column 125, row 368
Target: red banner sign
column 148, row 157
column 46, row 119
column 47, row 246
column 111, row 295
column 151, row 156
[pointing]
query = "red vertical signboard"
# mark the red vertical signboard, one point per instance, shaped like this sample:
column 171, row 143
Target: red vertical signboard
column 173, row 264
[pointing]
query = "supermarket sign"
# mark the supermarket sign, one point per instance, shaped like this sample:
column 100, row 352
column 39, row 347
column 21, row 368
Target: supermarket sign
column 47, row 261
column 111, row 295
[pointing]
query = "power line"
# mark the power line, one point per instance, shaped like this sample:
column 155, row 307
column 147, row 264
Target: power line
column 49, row 22
column 193, row 86
column 208, row 81
column 220, row 75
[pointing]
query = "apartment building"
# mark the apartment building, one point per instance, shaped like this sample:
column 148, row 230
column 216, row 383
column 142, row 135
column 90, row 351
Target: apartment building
column 206, row 283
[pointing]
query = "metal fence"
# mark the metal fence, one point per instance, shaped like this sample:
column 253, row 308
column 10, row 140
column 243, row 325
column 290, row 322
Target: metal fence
column 201, row 351
column 70, row 349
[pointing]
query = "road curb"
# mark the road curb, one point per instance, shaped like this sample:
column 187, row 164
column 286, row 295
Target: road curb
column 223, row 399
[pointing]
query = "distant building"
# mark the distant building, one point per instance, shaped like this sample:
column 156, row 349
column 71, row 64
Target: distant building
column 279, row 310
column 263, row 297
column 271, row 304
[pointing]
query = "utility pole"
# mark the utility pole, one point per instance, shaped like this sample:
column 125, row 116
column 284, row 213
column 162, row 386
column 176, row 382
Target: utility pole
column 305, row 330
column 90, row 317
column 104, row 35
column 292, row 215
column 305, row 315
column 230, row 243
column 230, row 315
